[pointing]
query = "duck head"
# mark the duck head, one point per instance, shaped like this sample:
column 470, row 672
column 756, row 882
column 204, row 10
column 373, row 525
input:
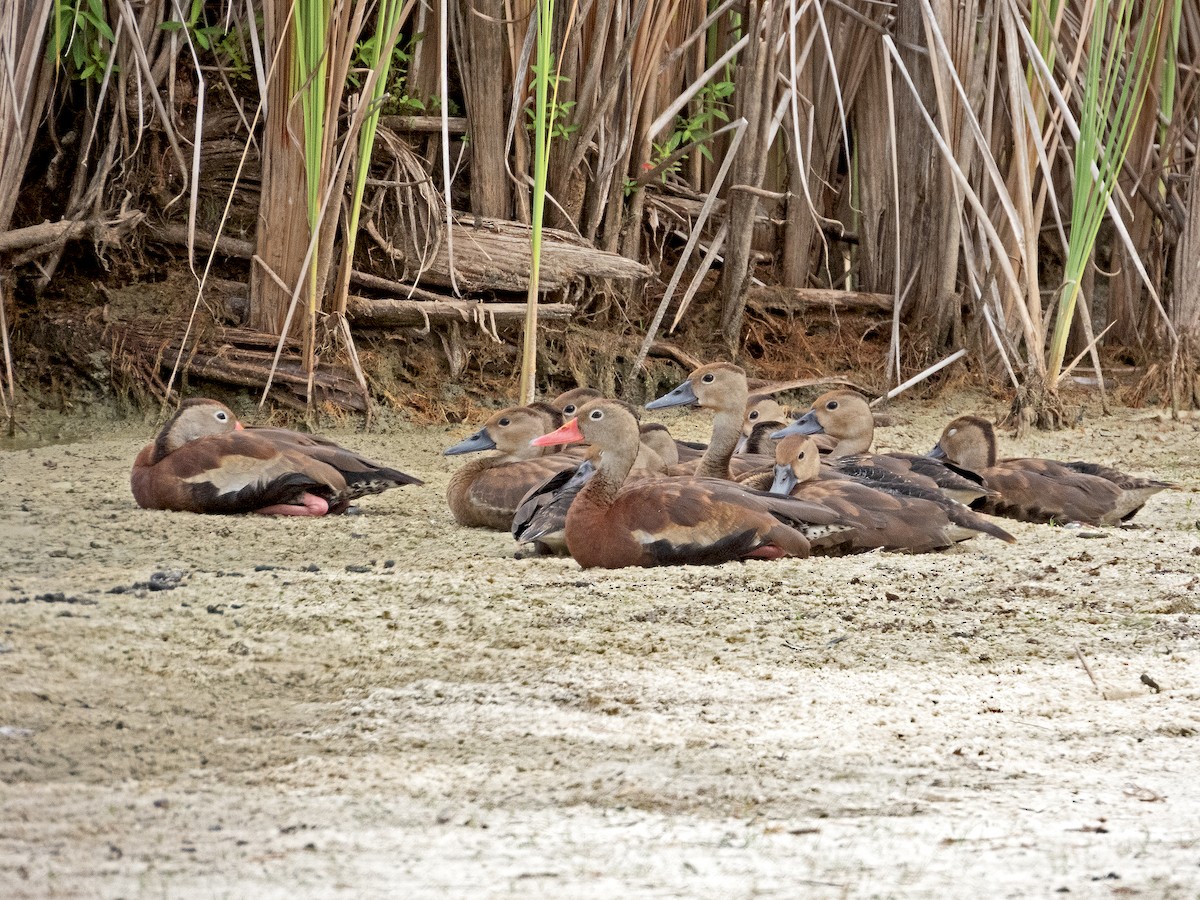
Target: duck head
column 968, row 442
column 568, row 402
column 797, row 459
column 508, row 431
column 844, row 415
column 196, row 418
column 720, row 386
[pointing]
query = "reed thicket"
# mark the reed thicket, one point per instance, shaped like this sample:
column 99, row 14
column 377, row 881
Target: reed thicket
column 1012, row 179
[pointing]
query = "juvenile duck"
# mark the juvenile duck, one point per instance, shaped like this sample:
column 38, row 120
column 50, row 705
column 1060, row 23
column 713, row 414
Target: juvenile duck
column 486, row 492
column 671, row 521
column 905, row 517
column 722, row 388
column 846, row 416
column 1043, row 490
column 205, row 461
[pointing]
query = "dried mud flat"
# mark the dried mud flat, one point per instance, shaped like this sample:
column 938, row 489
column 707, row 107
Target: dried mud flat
column 387, row 705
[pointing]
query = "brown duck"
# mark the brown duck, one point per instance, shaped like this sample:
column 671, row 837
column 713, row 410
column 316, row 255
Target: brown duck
column 540, row 520
column 671, row 521
column 487, row 491
column 1043, row 490
column 902, row 517
column 204, row 461
column 846, row 416
column 722, row 388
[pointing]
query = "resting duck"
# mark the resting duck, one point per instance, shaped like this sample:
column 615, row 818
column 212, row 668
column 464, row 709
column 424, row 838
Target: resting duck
column 671, row 521
column 205, row 461
column 722, row 388
column 1043, row 490
column 540, row 520
column 486, row 492
column 568, row 402
column 903, row 517
column 846, row 416
column 763, row 410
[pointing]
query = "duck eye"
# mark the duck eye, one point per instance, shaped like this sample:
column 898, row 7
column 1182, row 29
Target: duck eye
column 597, row 415
column 708, row 379
column 754, row 415
column 832, row 404
column 569, row 409
column 221, row 415
column 801, row 455
column 952, row 432
column 505, row 422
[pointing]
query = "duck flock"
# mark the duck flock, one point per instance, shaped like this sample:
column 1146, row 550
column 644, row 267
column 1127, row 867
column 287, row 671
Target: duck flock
column 582, row 475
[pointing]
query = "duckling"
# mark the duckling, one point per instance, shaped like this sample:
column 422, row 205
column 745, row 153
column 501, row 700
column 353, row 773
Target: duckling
column 905, row 517
column 205, row 461
column 1043, row 490
column 486, row 492
column 846, row 415
column 722, row 388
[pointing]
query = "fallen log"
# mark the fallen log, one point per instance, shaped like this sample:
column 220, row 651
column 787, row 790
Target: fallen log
column 792, row 300
column 424, row 124
column 496, row 255
column 375, row 313
column 45, row 236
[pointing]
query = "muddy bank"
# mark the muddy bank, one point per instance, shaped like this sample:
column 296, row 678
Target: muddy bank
column 389, row 705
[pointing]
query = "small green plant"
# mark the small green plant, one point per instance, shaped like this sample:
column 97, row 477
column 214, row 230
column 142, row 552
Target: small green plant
column 222, row 44
column 398, row 102
column 695, row 129
column 559, row 111
column 82, row 39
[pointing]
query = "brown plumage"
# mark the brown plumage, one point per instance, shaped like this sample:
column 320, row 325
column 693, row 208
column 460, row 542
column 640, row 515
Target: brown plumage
column 486, row 492
column 672, row 521
column 541, row 518
column 204, row 461
column 568, row 402
column 1043, row 490
column 762, row 409
column 846, row 416
column 905, row 517
column 722, row 388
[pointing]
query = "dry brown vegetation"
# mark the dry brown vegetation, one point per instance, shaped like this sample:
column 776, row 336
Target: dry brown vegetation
column 713, row 167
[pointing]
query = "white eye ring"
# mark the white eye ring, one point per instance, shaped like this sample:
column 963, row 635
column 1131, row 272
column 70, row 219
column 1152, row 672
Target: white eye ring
column 221, row 415
column 707, row 379
column 569, row 409
column 597, row 415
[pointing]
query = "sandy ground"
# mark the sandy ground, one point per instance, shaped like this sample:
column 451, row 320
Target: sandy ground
column 387, row 705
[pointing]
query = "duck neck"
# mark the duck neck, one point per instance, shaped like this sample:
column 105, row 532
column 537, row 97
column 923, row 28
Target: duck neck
column 611, row 472
column 727, row 429
column 853, row 444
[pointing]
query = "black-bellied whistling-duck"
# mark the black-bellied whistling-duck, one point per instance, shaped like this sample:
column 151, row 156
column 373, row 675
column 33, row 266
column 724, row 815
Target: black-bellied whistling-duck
column 541, row 518
column 906, row 517
column 722, row 388
column 671, row 521
column 204, row 461
column 487, row 491
column 1043, row 490
column 568, row 402
column 763, row 409
column 846, row 415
